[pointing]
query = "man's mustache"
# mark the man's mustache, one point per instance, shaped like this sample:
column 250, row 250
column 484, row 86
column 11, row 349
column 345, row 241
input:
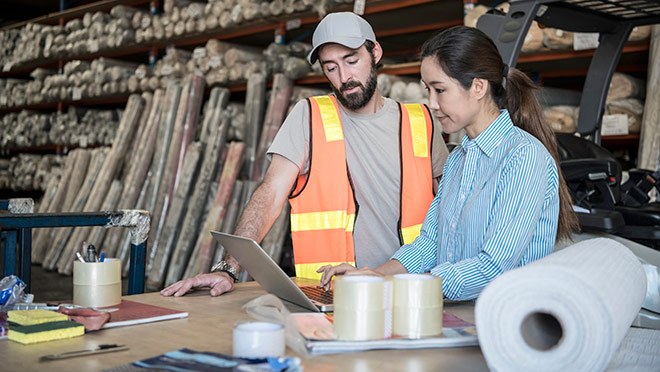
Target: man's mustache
column 350, row 85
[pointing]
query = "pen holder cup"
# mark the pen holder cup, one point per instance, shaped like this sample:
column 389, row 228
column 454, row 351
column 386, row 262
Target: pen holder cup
column 97, row 284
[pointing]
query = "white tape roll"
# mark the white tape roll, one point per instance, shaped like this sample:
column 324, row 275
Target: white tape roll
column 257, row 340
column 417, row 310
column 97, row 284
column 360, row 304
column 566, row 312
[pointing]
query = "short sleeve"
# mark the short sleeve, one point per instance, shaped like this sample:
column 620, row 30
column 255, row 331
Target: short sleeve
column 292, row 140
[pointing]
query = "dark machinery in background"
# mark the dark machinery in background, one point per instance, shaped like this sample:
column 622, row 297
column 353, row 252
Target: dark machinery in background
column 592, row 173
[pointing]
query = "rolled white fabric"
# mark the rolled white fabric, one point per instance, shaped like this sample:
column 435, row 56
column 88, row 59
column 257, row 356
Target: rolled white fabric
column 566, row 312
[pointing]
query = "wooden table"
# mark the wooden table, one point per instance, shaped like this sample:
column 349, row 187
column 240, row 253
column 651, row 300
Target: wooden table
column 209, row 328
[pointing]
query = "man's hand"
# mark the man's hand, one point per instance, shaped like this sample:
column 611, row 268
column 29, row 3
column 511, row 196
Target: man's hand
column 219, row 282
column 329, row 271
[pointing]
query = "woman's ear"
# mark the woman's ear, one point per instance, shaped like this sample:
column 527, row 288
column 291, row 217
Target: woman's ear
column 479, row 88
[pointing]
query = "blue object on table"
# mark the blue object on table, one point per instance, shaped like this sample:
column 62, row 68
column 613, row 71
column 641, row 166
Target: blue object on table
column 202, row 361
column 102, row 257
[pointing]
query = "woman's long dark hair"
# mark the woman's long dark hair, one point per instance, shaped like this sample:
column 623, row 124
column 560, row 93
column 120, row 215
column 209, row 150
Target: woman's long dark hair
column 465, row 53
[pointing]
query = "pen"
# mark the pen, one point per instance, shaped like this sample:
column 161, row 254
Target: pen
column 102, row 257
column 80, row 257
column 104, row 348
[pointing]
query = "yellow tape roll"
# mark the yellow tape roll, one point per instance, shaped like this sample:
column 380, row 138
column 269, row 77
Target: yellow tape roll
column 359, row 308
column 417, row 309
column 97, row 284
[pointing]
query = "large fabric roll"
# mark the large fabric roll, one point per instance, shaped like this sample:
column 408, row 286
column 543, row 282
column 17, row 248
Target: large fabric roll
column 566, row 312
column 561, row 118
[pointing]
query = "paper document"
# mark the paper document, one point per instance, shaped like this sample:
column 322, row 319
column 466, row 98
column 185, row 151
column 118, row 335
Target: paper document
column 319, row 337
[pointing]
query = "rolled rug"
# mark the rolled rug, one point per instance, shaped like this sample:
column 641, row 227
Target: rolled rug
column 566, row 312
column 561, row 118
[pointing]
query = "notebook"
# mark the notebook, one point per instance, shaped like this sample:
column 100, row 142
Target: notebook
column 270, row 276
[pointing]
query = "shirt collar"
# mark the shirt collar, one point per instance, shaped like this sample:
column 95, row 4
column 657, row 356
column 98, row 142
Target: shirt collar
column 490, row 138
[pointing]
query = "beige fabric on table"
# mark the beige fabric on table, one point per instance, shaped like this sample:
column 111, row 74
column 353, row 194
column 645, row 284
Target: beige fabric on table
column 568, row 311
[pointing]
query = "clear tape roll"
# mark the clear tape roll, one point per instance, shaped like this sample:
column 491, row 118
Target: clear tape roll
column 360, row 305
column 359, row 292
column 97, row 284
column 258, row 340
column 417, row 309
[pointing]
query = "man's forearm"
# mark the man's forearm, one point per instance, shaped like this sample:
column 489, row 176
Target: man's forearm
column 266, row 202
column 257, row 218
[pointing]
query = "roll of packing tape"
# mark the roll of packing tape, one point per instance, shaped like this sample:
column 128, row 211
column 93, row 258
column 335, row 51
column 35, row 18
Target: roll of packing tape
column 97, row 284
column 257, row 340
column 360, row 304
column 417, row 308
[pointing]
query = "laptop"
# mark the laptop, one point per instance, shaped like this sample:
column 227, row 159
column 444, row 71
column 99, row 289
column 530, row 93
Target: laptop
column 270, row 276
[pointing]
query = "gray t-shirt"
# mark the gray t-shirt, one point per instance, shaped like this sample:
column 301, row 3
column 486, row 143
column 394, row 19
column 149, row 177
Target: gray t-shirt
column 372, row 154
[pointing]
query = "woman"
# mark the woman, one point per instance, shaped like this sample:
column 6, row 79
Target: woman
column 502, row 200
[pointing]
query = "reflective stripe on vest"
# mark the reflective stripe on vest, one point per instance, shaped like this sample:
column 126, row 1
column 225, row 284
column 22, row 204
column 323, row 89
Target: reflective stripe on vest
column 322, row 220
column 323, row 208
column 416, row 170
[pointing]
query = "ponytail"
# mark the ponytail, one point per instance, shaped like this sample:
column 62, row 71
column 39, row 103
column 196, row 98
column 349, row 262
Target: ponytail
column 527, row 114
column 465, row 53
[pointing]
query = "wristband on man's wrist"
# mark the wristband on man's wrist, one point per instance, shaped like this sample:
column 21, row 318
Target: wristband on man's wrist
column 223, row 266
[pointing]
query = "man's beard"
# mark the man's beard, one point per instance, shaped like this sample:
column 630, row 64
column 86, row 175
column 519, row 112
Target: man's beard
column 357, row 100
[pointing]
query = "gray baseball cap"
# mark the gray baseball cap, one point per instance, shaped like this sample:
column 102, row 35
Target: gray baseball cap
column 345, row 28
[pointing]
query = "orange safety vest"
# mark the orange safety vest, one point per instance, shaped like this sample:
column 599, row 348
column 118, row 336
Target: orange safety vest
column 323, row 216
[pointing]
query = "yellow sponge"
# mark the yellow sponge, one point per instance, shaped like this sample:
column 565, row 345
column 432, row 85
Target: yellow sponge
column 29, row 317
column 30, row 334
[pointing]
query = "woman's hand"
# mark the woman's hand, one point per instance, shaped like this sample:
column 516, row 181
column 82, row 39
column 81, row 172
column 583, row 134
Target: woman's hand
column 330, row 271
column 365, row 271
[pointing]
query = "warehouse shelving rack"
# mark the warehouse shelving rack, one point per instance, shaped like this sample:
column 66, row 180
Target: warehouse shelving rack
column 612, row 19
column 385, row 15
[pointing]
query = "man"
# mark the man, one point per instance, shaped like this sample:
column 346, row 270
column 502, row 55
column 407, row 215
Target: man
column 367, row 187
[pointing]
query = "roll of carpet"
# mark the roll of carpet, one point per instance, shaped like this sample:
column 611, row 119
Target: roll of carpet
column 625, row 86
column 561, row 118
column 533, row 42
column 557, row 39
column 568, row 311
column 640, row 33
column 632, row 108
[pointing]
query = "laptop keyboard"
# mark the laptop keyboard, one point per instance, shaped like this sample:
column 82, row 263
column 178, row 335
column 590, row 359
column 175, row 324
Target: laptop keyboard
column 318, row 294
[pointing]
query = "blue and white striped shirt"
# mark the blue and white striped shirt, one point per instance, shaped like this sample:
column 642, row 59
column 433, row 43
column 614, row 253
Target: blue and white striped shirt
column 496, row 209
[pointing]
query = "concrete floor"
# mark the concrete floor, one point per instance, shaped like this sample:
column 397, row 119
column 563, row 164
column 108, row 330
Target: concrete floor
column 50, row 285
